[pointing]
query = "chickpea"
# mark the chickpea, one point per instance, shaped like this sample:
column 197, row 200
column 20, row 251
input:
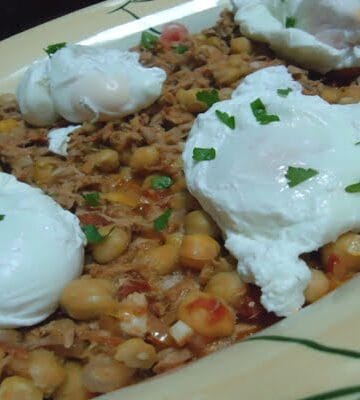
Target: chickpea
column 18, row 388
column 198, row 250
column 343, row 255
column 106, row 160
column 228, row 286
column 240, row 45
column 72, row 388
column 85, row 299
column 161, row 259
column 218, row 43
column 236, row 61
column 144, row 157
column 199, row 222
column 44, row 168
column 135, row 353
column 189, row 102
column 225, row 74
column 103, row 374
column 318, row 286
column 46, row 371
column 116, row 241
column 207, row 315
column 331, row 94
column 175, row 239
column 182, row 200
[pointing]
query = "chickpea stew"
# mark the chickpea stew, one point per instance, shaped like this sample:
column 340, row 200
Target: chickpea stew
column 159, row 290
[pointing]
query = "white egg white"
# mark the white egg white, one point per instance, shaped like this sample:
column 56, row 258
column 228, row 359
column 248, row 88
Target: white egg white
column 326, row 35
column 41, row 250
column 266, row 223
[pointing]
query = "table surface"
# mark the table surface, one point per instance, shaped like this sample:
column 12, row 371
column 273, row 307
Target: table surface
column 19, row 15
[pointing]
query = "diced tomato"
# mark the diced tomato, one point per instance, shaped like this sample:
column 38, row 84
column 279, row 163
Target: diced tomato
column 250, row 307
column 93, row 219
column 132, row 286
column 331, row 263
column 216, row 310
column 173, row 34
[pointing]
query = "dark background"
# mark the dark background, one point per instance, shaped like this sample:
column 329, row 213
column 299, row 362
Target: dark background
column 19, row 15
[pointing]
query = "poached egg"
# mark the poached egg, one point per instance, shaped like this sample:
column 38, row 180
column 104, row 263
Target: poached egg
column 41, row 250
column 267, row 222
column 84, row 83
column 321, row 35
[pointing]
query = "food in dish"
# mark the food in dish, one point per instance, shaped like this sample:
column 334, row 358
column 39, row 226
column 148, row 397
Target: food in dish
column 321, row 35
column 159, row 287
column 80, row 83
column 284, row 190
column 59, row 139
column 42, row 250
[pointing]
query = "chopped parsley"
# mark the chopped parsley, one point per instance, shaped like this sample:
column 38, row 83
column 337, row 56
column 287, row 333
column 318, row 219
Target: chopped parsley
column 53, row 48
column 225, row 118
column 284, row 92
column 204, row 154
column 92, row 234
column 92, row 199
column 2, row 216
column 296, row 175
column 209, row 97
column 259, row 110
column 355, row 188
column 148, row 40
column 357, row 143
column 161, row 182
column 290, row 22
column 180, row 49
column 160, row 223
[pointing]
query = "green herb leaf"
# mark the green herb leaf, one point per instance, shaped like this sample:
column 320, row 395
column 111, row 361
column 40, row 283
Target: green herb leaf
column 357, row 143
column 284, row 92
column 92, row 199
column 259, row 110
column 204, row 154
column 161, row 182
column 148, row 40
column 53, row 48
column 209, row 97
column 180, row 49
column 355, row 188
column 225, row 118
column 2, row 216
column 160, row 223
column 290, row 22
column 92, row 234
column 296, row 175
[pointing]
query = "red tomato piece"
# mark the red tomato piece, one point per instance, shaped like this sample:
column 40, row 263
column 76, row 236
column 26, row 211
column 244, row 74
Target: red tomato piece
column 173, row 34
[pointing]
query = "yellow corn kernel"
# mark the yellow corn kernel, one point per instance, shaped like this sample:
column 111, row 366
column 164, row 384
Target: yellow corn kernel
column 127, row 199
column 7, row 125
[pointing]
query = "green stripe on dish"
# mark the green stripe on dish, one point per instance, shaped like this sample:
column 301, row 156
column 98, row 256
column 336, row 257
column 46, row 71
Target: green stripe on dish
column 335, row 394
column 309, row 343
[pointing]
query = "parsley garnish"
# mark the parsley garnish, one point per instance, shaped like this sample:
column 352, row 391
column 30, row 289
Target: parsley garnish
column 290, row 22
column 148, row 40
column 357, row 143
column 296, row 175
column 204, row 154
column 284, row 92
column 2, row 216
column 161, row 182
column 92, row 234
column 160, row 223
column 53, row 48
column 225, row 118
column 92, row 199
column 209, row 97
column 260, row 113
column 355, row 188
column 180, row 49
